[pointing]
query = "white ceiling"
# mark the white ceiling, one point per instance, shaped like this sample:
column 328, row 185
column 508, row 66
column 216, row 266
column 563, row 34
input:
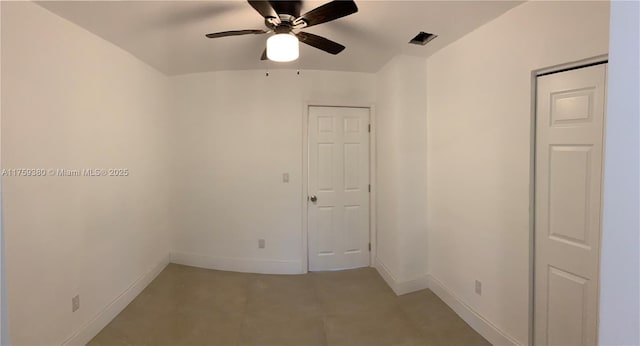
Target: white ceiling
column 169, row 35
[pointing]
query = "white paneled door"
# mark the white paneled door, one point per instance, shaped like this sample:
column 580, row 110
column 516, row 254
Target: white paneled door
column 338, row 186
column 569, row 140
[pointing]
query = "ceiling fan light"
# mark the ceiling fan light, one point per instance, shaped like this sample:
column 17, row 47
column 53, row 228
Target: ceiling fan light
column 283, row 48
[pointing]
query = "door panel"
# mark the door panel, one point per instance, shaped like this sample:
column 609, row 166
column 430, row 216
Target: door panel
column 567, row 296
column 569, row 182
column 338, row 222
column 569, row 140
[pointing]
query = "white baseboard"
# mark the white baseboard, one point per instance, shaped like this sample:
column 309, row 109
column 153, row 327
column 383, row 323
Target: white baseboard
column 480, row 324
column 90, row 329
column 401, row 287
column 244, row 265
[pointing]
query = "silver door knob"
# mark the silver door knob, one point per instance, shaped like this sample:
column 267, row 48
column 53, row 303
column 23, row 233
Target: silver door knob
column 313, row 198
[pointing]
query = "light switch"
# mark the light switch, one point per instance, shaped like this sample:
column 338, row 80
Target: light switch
column 285, row 177
column 75, row 303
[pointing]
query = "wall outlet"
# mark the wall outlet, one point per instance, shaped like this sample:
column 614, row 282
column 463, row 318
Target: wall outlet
column 478, row 287
column 285, row 177
column 75, row 303
column 260, row 243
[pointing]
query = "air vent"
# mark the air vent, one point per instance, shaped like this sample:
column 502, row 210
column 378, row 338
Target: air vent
column 423, row 38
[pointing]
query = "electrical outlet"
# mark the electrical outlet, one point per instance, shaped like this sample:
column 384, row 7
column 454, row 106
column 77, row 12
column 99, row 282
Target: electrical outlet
column 285, row 177
column 478, row 287
column 261, row 244
column 75, row 303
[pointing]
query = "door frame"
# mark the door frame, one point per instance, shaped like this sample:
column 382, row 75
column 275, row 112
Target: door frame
column 305, row 177
column 599, row 59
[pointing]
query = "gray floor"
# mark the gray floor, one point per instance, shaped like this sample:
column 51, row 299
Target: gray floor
column 191, row 306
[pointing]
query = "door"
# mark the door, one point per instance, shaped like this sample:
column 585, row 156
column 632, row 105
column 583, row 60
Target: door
column 338, row 186
column 568, row 178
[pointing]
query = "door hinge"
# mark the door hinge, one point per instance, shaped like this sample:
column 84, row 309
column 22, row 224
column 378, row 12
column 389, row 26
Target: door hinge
column 369, row 187
column 369, row 247
column 369, row 127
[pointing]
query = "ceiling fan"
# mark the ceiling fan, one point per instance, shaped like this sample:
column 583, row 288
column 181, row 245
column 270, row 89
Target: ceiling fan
column 284, row 20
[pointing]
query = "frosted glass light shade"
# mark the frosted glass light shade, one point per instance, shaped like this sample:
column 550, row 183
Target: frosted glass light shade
column 282, row 48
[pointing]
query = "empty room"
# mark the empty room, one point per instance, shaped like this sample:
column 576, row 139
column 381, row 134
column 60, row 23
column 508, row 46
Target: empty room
column 320, row 173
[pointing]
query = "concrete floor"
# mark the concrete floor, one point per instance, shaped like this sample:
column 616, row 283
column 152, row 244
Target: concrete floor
column 192, row 306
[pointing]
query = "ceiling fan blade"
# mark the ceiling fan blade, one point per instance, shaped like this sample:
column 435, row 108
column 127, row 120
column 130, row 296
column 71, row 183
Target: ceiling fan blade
column 264, row 8
column 290, row 7
column 328, row 12
column 320, row 42
column 235, row 33
column 264, row 55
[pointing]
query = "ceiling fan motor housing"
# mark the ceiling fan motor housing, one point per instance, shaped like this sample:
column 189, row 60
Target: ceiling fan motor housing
column 285, row 24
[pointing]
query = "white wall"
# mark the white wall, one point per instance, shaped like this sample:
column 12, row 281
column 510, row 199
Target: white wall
column 234, row 134
column 479, row 144
column 72, row 100
column 401, row 172
column 4, row 335
column 620, row 263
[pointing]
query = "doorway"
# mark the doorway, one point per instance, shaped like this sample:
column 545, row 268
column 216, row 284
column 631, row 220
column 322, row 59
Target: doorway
column 570, row 117
column 338, row 204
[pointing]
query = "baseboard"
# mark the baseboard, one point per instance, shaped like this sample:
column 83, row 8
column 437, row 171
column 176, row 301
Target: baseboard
column 480, row 324
column 90, row 329
column 244, row 265
column 401, row 287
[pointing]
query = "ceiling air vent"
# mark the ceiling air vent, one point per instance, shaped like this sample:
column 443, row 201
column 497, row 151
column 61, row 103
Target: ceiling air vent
column 423, row 38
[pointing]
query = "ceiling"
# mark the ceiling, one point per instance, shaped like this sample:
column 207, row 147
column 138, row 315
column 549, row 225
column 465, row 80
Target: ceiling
column 169, row 35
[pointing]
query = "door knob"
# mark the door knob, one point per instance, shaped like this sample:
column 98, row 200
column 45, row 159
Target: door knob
column 313, row 198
